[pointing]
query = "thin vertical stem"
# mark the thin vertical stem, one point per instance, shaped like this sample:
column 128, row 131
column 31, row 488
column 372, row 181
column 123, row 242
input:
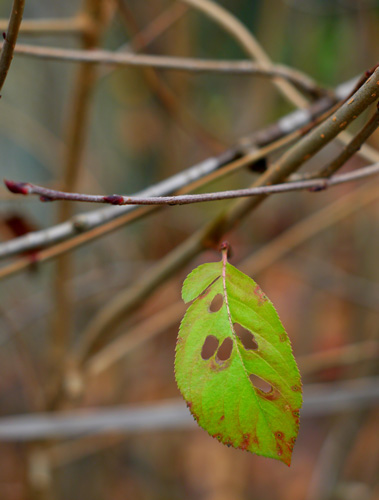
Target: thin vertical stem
column 76, row 134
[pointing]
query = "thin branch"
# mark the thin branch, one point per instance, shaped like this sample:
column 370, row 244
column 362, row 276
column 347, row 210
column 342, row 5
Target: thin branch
column 351, row 148
column 300, row 80
column 40, row 27
column 319, row 399
column 10, row 38
column 320, row 184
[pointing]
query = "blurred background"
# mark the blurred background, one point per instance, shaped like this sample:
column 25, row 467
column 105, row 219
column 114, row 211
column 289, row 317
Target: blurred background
column 142, row 127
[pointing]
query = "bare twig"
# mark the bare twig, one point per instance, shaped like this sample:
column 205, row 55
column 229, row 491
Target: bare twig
column 10, row 38
column 192, row 65
column 320, row 184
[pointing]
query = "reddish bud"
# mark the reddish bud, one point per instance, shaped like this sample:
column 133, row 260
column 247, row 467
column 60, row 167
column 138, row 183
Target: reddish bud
column 17, row 187
column 114, row 199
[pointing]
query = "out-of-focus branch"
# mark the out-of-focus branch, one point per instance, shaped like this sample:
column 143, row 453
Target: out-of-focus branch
column 310, row 226
column 172, row 103
column 340, row 356
column 40, row 27
column 247, row 41
column 94, row 13
column 319, row 399
column 351, row 148
column 10, row 38
column 192, row 65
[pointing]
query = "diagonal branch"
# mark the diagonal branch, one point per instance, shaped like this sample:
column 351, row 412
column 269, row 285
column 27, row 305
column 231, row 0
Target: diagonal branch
column 10, row 38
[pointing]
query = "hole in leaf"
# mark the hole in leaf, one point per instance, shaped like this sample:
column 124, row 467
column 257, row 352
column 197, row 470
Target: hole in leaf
column 260, row 384
column 209, row 347
column 246, row 337
column 216, row 303
column 225, row 349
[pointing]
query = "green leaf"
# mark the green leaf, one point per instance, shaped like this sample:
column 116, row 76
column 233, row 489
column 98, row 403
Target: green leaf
column 234, row 364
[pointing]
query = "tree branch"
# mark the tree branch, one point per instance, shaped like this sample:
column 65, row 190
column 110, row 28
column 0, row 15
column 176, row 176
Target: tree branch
column 10, row 38
column 300, row 80
column 40, row 27
column 319, row 399
column 47, row 194
column 113, row 217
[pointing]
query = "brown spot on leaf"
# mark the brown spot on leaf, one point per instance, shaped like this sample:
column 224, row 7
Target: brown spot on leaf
column 222, row 417
column 295, row 388
column 245, row 442
column 279, row 435
column 204, row 293
column 218, row 366
column 296, row 415
column 282, row 337
column 270, row 396
column 260, row 295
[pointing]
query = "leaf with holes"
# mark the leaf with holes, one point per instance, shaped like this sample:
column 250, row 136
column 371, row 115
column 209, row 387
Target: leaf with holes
column 234, row 363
